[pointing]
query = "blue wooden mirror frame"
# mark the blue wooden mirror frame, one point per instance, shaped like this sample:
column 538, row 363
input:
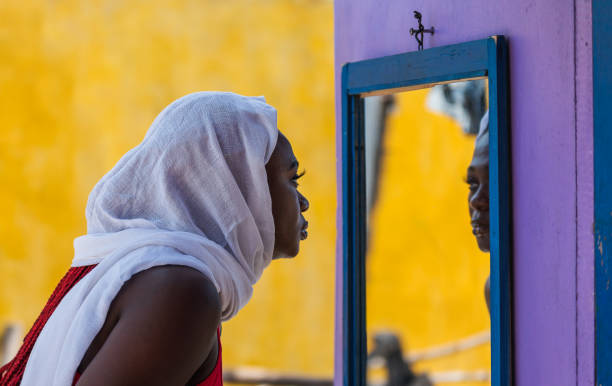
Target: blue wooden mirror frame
column 602, row 159
column 409, row 71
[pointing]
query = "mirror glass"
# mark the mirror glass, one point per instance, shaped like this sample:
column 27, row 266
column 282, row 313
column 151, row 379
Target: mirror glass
column 427, row 257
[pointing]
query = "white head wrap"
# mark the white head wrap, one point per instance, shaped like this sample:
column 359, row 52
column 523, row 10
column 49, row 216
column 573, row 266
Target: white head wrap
column 194, row 192
column 484, row 126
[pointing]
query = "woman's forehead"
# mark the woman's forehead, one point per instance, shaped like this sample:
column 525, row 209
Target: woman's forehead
column 283, row 155
column 481, row 153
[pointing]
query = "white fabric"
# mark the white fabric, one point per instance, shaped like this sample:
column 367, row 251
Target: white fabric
column 483, row 129
column 194, row 192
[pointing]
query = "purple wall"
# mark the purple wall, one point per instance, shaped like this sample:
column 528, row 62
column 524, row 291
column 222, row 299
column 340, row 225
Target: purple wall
column 585, row 270
column 551, row 106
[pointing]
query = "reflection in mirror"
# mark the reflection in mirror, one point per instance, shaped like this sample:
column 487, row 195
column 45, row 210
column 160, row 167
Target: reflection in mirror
column 427, row 236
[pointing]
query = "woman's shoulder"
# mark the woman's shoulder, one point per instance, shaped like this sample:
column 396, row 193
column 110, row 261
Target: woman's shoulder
column 172, row 292
column 168, row 315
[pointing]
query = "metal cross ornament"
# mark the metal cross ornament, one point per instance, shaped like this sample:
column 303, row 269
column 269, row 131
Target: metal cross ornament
column 418, row 33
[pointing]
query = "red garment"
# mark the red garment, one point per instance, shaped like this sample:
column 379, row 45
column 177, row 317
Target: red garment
column 12, row 373
column 214, row 379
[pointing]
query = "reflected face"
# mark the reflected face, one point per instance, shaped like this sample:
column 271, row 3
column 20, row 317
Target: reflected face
column 478, row 197
column 288, row 203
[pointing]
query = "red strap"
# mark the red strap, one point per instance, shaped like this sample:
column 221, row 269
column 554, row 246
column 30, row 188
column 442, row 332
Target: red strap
column 12, row 373
column 216, row 377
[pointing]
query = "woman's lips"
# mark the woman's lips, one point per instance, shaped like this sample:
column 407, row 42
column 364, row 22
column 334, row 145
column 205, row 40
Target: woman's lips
column 304, row 232
column 480, row 230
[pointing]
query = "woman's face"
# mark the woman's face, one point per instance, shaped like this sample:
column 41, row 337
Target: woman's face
column 478, row 197
column 287, row 202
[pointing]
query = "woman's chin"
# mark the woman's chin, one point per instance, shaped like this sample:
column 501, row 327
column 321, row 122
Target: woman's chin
column 288, row 253
column 483, row 244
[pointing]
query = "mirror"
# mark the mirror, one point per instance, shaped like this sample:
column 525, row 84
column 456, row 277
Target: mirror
column 427, row 236
column 412, row 266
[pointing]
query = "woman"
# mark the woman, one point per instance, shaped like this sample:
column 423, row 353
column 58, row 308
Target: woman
column 178, row 232
column 478, row 197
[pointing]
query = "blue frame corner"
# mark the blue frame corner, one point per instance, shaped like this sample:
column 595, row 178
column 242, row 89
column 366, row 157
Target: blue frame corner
column 413, row 70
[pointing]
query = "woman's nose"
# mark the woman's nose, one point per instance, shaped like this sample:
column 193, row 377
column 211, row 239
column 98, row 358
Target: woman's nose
column 480, row 200
column 304, row 204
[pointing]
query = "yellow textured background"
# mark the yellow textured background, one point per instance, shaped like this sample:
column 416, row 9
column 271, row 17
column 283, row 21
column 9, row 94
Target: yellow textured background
column 80, row 82
column 425, row 274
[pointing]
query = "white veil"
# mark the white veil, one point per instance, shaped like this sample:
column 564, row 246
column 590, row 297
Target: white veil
column 194, row 192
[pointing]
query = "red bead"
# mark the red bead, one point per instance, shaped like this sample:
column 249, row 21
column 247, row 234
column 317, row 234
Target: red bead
column 12, row 372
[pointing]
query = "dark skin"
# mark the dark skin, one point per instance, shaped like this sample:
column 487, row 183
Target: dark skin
column 161, row 328
column 288, row 203
column 478, row 198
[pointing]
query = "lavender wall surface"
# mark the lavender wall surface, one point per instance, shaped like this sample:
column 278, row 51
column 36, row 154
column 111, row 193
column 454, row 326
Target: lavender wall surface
column 551, row 99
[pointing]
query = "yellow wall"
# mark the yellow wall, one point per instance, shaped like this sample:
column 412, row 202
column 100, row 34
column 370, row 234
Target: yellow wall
column 425, row 273
column 80, row 82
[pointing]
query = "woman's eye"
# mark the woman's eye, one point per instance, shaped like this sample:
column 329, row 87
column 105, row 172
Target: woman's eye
column 296, row 177
column 473, row 185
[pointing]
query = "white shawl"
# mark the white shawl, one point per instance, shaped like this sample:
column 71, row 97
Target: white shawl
column 194, row 192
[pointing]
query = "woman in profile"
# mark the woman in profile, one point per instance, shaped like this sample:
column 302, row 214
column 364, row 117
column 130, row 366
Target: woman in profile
column 178, row 232
column 478, row 196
